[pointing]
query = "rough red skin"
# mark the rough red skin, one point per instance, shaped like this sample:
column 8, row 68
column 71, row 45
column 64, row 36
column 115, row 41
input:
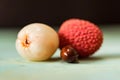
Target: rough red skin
column 83, row 35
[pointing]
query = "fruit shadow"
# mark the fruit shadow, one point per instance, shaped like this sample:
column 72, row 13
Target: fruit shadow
column 97, row 58
column 53, row 59
column 82, row 60
column 90, row 59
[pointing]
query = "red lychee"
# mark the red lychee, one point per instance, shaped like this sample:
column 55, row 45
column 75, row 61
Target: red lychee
column 82, row 35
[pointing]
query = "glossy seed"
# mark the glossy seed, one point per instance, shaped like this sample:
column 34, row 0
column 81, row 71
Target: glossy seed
column 69, row 54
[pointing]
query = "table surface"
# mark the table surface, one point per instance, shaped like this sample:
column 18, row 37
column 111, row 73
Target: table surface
column 103, row 65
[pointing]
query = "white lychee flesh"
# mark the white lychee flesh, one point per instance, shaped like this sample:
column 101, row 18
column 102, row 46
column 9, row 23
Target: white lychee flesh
column 37, row 42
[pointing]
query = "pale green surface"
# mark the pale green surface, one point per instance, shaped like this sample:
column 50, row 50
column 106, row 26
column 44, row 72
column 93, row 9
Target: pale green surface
column 104, row 65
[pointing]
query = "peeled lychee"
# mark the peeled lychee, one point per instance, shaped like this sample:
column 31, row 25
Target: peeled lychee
column 82, row 35
column 37, row 42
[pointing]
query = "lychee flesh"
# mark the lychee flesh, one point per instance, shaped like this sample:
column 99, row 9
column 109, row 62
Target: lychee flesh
column 37, row 42
column 83, row 35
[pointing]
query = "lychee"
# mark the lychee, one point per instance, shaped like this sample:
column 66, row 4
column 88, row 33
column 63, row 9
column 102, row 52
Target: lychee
column 82, row 35
column 37, row 42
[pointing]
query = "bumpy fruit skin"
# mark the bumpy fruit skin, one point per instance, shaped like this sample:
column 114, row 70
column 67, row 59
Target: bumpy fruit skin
column 83, row 35
column 37, row 42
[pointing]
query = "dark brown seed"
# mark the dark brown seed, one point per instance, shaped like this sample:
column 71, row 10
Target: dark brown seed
column 69, row 54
